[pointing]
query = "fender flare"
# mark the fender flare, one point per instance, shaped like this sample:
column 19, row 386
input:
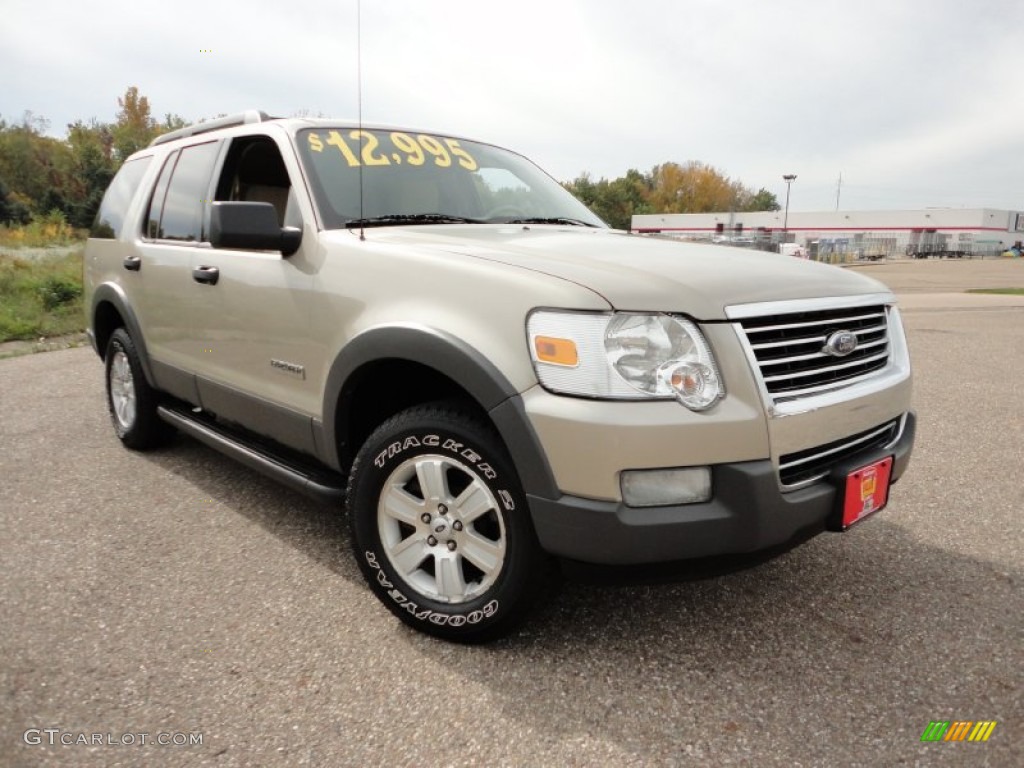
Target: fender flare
column 115, row 295
column 458, row 361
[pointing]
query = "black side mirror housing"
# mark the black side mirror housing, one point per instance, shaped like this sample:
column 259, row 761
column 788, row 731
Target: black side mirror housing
column 251, row 227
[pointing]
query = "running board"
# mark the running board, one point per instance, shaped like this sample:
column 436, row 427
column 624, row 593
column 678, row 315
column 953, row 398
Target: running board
column 321, row 484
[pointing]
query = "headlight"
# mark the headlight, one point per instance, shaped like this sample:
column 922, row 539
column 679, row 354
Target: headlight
column 626, row 355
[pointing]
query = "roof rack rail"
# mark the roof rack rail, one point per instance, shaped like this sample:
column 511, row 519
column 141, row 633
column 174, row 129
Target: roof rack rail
column 242, row 118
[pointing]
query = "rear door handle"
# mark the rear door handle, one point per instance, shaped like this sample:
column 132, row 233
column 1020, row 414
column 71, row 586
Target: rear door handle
column 132, row 263
column 208, row 275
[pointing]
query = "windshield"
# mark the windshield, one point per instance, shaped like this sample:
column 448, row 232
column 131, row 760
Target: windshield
column 428, row 179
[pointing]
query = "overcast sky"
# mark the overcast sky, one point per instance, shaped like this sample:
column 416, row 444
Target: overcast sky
column 915, row 102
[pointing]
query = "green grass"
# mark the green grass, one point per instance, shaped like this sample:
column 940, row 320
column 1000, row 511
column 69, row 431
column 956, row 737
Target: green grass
column 1006, row 291
column 47, row 230
column 40, row 297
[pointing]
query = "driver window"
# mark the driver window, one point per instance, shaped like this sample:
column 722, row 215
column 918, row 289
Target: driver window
column 254, row 172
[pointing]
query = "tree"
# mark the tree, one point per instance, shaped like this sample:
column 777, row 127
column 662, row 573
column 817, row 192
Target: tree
column 669, row 188
column 92, row 152
column 36, row 169
column 172, row 123
column 12, row 210
column 613, row 201
column 695, row 188
column 764, row 201
column 134, row 128
column 40, row 174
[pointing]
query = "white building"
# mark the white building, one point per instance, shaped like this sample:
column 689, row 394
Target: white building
column 851, row 234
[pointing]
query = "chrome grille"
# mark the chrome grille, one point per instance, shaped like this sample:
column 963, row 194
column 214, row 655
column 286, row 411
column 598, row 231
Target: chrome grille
column 788, row 349
column 814, row 463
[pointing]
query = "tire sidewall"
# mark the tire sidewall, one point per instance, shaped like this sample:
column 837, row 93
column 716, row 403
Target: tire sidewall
column 404, row 438
column 147, row 429
column 121, row 342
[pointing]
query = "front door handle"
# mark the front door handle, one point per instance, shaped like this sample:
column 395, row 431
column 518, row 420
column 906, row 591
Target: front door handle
column 132, row 263
column 208, row 275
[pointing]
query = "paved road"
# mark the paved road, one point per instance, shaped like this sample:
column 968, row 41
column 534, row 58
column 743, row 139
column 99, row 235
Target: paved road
column 177, row 592
column 909, row 276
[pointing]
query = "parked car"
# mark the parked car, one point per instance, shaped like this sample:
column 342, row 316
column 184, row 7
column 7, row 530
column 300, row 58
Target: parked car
column 433, row 334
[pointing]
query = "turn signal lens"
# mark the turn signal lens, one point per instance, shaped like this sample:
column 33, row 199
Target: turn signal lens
column 556, row 351
column 695, row 385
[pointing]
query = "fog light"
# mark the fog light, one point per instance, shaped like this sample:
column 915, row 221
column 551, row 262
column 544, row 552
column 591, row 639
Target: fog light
column 665, row 487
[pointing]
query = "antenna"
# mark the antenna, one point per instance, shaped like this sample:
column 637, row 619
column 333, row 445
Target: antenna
column 359, row 103
column 839, row 187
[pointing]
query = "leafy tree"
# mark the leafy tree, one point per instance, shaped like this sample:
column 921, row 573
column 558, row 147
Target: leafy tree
column 171, row 123
column 763, row 200
column 614, row 201
column 12, row 210
column 692, row 187
column 41, row 174
column 92, row 152
column 37, row 169
column 695, row 188
column 134, row 127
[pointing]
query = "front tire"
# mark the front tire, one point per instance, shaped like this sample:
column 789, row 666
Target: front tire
column 440, row 525
column 130, row 399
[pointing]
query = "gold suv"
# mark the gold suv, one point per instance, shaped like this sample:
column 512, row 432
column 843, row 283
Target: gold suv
column 433, row 333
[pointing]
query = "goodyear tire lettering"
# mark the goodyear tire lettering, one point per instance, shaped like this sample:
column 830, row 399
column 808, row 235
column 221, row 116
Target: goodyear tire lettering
column 440, row 619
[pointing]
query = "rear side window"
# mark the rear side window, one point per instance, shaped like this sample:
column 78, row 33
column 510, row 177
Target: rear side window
column 110, row 217
column 178, row 215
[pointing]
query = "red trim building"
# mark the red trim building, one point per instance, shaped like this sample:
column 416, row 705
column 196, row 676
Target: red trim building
column 850, row 234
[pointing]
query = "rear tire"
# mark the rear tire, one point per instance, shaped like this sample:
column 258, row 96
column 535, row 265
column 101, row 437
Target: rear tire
column 441, row 528
column 131, row 400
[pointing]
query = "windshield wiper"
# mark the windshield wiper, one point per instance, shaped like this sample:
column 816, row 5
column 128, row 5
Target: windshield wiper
column 410, row 218
column 551, row 220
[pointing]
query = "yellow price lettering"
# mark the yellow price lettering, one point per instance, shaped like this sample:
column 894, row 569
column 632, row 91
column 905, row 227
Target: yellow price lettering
column 335, row 139
column 413, row 151
column 407, row 144
column 465, row 159
column 436, row 148
column 371, row 144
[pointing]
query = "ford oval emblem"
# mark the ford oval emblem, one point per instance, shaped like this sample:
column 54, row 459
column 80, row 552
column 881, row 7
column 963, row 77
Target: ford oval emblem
column 840, row 344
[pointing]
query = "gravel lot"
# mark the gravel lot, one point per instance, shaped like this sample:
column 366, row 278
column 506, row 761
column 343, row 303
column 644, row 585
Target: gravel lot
column 177, row 592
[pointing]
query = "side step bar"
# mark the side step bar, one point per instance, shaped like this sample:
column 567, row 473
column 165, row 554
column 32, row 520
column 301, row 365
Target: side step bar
column 323, row 485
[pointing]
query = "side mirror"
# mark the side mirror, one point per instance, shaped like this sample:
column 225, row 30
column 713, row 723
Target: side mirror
column 251, row 226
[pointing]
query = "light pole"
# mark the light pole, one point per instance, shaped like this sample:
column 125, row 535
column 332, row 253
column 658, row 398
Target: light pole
column 789, row 178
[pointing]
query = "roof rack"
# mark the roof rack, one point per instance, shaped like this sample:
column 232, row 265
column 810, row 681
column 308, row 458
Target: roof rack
column 242, row 118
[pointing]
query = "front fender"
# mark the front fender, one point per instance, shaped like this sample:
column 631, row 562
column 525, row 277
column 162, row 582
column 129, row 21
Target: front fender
column 458, row 361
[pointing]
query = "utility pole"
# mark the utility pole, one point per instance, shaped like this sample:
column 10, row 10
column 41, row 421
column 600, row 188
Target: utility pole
column 789, row 178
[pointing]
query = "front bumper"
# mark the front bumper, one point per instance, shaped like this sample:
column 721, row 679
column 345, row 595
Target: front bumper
column 748, row 512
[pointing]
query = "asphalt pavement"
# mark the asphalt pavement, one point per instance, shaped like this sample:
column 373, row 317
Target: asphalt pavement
column 176, row 594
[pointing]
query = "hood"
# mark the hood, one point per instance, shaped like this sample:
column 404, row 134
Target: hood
column 634, row 272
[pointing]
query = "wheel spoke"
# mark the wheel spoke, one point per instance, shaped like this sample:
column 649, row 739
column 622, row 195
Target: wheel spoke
column 408, row 554
column 472, row 502
column 449, row 579
column 122, row 390
column 485, row 554
column 436, row 543
column 402, row 506
column 433, row 483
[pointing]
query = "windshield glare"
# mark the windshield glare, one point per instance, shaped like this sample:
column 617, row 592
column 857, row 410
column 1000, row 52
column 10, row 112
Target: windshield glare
column 406, row 175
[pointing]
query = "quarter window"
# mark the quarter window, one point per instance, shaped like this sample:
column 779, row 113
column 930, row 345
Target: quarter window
column 110, row 216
